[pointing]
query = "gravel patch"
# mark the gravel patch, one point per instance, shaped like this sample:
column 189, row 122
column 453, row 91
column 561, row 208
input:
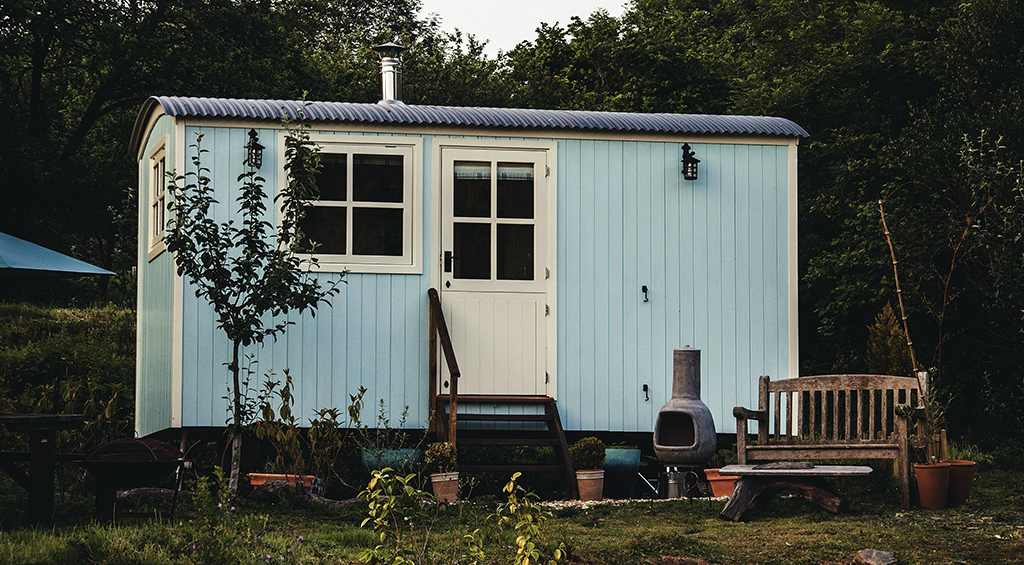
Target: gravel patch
column 559, row 504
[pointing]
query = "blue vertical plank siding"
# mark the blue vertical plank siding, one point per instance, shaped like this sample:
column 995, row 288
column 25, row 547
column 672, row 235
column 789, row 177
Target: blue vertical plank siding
column 155, row 303
column 713, row 253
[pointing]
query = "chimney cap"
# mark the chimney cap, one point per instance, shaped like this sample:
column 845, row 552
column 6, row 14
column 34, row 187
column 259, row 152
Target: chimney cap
column 389, row 49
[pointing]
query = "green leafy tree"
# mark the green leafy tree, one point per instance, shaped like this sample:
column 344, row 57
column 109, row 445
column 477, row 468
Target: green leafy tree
column 73, row 74
column 248, row 271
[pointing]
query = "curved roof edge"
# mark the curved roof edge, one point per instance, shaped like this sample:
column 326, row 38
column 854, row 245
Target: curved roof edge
column 401, row 114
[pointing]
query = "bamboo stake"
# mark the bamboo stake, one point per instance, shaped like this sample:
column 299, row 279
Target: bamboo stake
column 899, row 292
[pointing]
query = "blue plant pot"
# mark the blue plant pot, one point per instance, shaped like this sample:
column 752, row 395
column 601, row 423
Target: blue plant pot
column 403, row 460
column 620, row 471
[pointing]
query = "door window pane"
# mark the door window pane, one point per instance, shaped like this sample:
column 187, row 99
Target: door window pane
column 515, row 252
column 325, row 226
column 515, row 190
column 377, row 231
column 472, row 197
column 472, row 251
column 332, row 179
column 377, row 178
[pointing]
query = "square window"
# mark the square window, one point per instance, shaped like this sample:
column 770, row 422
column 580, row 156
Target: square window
column 363, row 220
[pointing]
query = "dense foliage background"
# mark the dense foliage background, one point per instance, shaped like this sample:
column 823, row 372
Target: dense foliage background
column 69, row 361
column 917, row 103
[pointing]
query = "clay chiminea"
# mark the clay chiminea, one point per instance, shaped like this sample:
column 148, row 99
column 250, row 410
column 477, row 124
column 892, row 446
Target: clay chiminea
column 684, row 433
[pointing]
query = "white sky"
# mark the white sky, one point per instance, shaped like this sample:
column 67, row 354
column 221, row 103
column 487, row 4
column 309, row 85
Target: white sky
column 505, row 23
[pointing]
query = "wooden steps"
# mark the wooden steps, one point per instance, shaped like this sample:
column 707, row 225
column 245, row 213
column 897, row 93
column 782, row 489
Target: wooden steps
column 553, row 434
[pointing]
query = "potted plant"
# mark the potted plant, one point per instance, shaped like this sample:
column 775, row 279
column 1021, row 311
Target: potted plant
column 385, row 446
column 587, row 458
column 928, row 439
column 621, row 465
column 721, row 485
column 933, row 474
column 442, row 463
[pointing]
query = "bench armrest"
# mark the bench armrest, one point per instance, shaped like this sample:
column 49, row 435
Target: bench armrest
column 745, row 414
column 742, row 415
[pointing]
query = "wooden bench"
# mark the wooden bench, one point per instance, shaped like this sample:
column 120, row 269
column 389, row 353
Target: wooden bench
column 827, row 417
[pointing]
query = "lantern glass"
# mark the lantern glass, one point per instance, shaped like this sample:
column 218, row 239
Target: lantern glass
column 689, row 163
column 255, row 156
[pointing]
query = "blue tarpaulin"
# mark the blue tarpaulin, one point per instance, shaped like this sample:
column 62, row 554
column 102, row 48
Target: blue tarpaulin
column 19, row 257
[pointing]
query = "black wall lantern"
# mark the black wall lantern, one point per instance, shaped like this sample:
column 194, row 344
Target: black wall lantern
column 689, row 163
column 255, row 155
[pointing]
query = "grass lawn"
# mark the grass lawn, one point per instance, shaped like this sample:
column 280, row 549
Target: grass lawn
column 989, row 529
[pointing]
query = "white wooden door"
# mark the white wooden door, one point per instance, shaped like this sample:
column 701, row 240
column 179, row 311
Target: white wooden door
column 494, row 268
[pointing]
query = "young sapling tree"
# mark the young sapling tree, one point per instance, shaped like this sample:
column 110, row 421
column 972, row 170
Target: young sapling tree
column 249, row 271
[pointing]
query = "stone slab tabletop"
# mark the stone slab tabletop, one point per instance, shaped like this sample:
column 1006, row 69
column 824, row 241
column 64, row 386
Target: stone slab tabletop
column 795, row 470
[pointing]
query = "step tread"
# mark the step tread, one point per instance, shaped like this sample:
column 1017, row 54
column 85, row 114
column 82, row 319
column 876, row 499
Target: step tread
column 498, row 399
column 502, row 417
column 507, row 441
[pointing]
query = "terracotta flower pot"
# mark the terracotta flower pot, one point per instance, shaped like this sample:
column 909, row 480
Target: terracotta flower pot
column 720, row 486
column 961, row 475
column 446, row 486
column 932, row 484
column 257, row 479
column 591, row 484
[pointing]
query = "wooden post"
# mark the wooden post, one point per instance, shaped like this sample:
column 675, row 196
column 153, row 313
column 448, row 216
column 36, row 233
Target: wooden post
column 40, row 476
column 453, row 408
column 762, row 404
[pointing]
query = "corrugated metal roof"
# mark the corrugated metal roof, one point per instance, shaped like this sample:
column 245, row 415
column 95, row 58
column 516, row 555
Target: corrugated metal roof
column 402, row 114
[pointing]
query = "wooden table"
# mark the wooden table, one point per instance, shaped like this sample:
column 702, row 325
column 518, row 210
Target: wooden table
column 42, row 430
column 758, row 484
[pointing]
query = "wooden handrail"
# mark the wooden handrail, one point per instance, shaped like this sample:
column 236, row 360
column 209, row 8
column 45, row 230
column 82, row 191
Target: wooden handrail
column 439, row 328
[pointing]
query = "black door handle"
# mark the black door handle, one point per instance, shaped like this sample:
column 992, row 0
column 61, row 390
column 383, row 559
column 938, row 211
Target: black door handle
column 448, row 258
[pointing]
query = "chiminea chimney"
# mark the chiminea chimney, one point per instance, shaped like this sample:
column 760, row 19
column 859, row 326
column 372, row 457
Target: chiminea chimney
column 390, row 72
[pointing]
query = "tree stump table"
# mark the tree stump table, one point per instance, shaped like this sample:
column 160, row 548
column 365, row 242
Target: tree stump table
column 758, row 484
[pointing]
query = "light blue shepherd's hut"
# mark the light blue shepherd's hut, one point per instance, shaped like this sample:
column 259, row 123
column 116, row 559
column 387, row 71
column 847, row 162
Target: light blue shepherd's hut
column 570, row 252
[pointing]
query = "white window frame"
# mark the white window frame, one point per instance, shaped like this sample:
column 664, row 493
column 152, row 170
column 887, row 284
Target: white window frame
column 157, row 214
column 411, row 149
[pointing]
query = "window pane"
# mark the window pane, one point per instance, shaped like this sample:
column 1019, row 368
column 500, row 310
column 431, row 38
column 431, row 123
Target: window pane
column 515, row 190
column 472, row 250
column 377, row 178
column 333, row 179
column 377, row 231
column 325, row 226
column 472, row 189
column 515, row 252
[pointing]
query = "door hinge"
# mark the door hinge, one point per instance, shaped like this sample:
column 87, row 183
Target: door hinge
column 547, row 171
column 547, row 377
column 547, row 310
column 547, row 273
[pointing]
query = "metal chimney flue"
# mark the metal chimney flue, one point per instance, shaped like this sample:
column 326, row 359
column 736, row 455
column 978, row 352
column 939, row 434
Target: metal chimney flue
column 684, row 433
column 390, row 72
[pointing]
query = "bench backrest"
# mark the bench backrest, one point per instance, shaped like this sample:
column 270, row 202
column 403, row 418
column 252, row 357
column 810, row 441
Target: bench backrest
column 829, row 409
